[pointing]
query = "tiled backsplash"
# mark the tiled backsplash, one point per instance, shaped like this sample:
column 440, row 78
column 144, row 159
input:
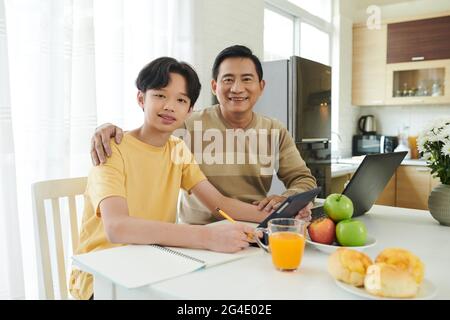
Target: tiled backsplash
column 391, row 119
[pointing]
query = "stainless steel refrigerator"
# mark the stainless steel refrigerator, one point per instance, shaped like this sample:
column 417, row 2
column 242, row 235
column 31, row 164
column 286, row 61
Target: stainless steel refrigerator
column 298, row 93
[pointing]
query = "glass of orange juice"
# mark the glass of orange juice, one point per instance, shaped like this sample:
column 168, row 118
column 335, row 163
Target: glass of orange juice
column 286, row 242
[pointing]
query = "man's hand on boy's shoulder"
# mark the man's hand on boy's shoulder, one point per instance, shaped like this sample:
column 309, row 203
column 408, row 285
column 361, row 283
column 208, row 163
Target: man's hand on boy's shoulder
column 101, row 140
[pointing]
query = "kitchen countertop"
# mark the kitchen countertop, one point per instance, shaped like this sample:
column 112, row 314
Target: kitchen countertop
column 349, row 165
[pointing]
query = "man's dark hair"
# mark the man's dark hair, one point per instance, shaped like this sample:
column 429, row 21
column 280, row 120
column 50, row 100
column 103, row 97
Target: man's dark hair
column 156, row 75
column 236, row 51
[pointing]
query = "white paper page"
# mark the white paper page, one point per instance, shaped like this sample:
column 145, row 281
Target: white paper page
column 135, row 265
column 212, row 258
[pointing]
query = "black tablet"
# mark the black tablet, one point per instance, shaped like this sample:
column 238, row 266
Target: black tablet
column 292, row 205
column 289, row 209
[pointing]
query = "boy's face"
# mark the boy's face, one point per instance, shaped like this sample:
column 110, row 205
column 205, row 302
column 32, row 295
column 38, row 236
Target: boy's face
column 166, row 108
column 237, row 87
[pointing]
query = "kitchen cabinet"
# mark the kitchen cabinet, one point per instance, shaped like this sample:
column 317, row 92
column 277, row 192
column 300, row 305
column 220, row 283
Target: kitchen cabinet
column 426, row 39
column 403, row 63
column 413, row 187
column 338, row 183
column 424, row 82
column 409, row 188
column 369, row 66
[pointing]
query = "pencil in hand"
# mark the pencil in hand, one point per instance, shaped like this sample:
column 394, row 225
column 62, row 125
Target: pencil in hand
column 226, row 216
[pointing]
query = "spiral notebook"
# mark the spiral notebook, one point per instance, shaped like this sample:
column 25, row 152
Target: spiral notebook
column 134, row 266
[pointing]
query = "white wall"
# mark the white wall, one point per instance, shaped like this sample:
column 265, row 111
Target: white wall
column 390, row 119
column 222, row 23
column 411, row 8
column 344, row 113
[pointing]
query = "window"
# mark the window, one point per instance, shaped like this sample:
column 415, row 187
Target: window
column 298, row 27
column 319, row 8
column 314, row 44
column 278, row 35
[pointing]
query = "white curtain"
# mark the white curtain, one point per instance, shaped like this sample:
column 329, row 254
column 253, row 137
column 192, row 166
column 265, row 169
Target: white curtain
column 11, row 279
column 72, row 66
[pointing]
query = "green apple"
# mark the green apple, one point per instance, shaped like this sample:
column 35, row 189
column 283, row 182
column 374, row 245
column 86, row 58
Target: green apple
column 351, row 233
column 338, row 207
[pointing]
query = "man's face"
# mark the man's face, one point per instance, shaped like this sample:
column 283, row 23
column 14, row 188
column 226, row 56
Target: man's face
column 166, row 108
column 237, row 87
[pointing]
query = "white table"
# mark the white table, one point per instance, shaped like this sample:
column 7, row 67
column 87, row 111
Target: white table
column 256, row 278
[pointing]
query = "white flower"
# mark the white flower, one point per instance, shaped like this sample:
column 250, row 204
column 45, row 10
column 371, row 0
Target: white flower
column 437, row 155
column 421, row 140
column 446, row 133
column 446, row 148
column 426, row 156
column 437, row 130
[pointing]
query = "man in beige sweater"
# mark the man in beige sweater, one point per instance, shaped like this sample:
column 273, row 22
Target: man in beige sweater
column 237, row 149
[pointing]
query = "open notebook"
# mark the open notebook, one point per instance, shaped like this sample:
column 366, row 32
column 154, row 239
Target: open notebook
column 134, row 266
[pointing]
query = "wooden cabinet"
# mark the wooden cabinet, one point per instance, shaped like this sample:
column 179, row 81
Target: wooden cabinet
column 426, row 39
column 404, row 63
column 424, row 82
column 369, row 66
column 413, row 187
column 338, row 183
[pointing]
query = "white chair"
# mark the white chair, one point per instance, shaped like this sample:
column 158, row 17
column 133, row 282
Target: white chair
column 54, row 190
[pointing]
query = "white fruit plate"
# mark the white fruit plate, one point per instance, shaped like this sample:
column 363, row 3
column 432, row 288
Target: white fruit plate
column 330, row 248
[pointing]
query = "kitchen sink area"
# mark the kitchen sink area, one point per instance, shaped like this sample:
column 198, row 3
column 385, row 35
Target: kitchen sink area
column 340, row 168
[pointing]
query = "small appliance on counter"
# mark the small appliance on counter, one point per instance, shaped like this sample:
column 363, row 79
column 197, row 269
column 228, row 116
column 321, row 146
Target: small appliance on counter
column 373, row 144
column 367, row 125
column 403, row 144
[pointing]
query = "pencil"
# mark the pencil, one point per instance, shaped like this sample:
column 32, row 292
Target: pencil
column 226, row 216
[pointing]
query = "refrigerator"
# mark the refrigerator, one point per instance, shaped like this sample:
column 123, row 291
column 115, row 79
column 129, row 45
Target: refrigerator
column 298, row 93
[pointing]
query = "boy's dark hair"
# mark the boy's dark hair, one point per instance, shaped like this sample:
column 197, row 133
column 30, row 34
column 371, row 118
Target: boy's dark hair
column 155, row 75
column 236, row 51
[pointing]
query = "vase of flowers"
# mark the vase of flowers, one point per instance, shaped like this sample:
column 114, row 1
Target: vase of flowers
column 434, row 144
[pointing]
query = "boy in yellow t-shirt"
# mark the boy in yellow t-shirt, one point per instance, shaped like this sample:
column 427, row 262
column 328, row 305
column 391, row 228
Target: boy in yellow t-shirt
column 132, row 198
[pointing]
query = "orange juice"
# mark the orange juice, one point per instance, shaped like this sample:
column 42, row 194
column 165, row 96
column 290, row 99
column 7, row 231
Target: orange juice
column 286, row 249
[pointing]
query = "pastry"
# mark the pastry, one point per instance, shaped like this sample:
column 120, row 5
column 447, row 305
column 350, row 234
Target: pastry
column 349, row 266
column 388, row 280
column 403, row 259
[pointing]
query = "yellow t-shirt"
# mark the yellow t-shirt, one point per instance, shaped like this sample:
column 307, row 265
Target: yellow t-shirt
column 148, row 177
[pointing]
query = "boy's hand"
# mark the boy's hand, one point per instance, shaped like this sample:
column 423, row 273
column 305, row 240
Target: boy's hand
column 100, row 142
column 228, row 238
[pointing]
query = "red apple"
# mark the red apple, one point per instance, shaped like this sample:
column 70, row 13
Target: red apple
column 322, row 230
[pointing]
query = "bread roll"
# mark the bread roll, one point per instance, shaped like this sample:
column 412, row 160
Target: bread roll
column 405, row 260
column 349, row 266
column 387, row 280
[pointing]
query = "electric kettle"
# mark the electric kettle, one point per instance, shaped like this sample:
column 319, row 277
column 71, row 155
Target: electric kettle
column 367, row 125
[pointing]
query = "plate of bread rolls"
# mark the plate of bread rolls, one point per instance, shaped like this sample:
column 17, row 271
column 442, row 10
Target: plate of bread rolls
column 395, row 273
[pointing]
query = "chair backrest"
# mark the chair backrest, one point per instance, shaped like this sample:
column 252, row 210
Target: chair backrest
column 54, row 190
